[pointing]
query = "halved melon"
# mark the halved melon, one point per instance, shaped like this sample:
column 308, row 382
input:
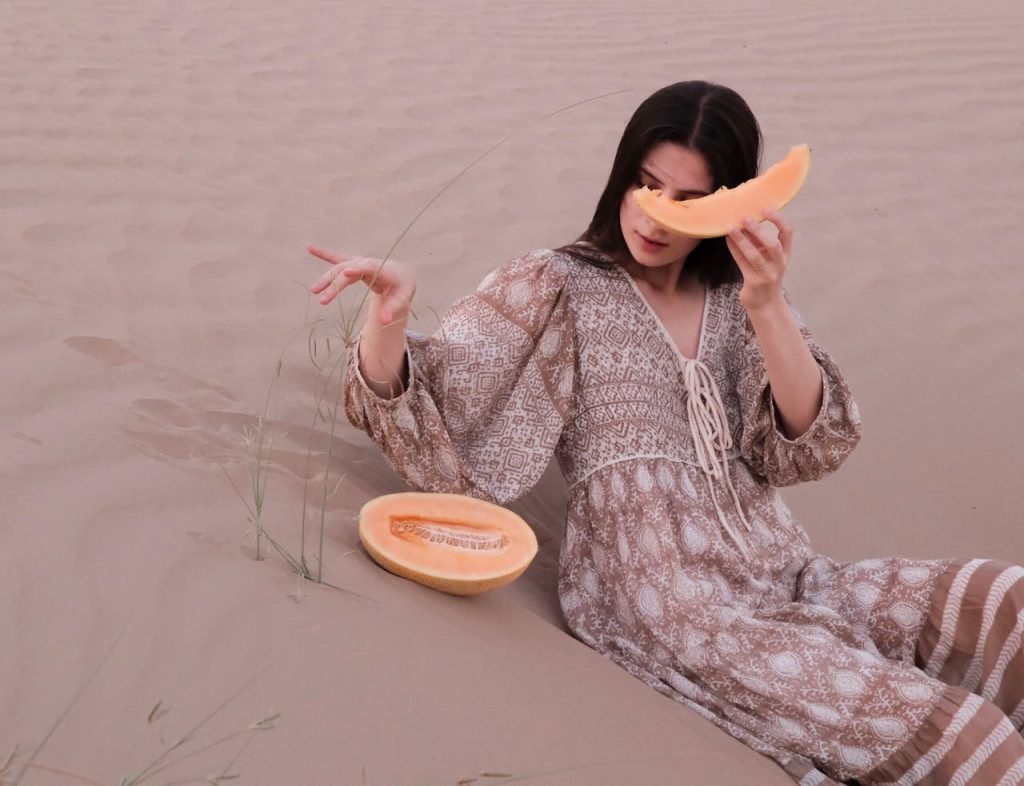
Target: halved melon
column 449, row 542
column 715, row 214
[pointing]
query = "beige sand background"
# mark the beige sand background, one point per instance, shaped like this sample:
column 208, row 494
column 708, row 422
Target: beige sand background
column 163, row 164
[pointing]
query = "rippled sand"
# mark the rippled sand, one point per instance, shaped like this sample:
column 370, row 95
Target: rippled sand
column 162, row 167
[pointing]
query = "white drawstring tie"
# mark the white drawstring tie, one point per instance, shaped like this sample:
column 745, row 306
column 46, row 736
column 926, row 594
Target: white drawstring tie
column 712, row 439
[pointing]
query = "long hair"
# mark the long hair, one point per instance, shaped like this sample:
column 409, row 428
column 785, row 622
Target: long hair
column 710, row 119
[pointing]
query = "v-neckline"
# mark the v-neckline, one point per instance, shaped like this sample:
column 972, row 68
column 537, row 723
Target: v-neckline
column 666, row 335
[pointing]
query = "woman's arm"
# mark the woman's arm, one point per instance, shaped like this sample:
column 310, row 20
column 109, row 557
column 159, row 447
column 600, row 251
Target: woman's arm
column 488, row 392
column 382, row 338
column 382, row 351
column 793, row 373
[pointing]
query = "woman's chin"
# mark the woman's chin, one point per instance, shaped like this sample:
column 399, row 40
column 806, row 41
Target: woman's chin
column 647, row 258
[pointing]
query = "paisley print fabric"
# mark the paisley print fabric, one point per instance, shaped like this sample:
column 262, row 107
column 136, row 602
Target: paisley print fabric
column 839, row 672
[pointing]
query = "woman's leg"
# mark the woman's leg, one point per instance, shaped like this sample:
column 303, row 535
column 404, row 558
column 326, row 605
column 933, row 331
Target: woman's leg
column 972, row 636
column 885, row 602
column 957, row 621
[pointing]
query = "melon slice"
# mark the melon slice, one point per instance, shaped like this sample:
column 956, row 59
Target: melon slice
column 449, row 542
column 715, row 214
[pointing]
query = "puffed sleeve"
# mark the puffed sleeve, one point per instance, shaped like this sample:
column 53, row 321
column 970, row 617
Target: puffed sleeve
column 488, row 393
column 817, row 452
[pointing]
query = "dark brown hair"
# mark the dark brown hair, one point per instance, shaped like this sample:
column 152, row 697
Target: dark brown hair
column 710, row 119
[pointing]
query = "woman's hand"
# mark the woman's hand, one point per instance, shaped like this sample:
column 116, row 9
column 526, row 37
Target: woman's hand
column 793, row 373
column 762, row 260
column 393, row 283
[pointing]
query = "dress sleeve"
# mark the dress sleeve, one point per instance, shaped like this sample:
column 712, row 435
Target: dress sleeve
column 817, row 452
column 488, row 393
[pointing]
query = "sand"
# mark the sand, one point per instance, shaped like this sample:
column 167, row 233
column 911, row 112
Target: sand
column 162, row 167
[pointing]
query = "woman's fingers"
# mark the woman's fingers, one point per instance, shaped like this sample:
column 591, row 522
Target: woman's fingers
column 762, row 260
column 746, row 254
column 344, row 273
column 393, row 285
column 758, row 252
column 341, row 266
column 395, row 304
column 326, row 256
column 767, row 247
column 335, row 283
column 785, row 230
column 322, row 282
column 328, row 279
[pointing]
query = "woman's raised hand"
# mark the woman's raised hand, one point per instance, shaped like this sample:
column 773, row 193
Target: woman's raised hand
column 762, row 260
column 393, row 283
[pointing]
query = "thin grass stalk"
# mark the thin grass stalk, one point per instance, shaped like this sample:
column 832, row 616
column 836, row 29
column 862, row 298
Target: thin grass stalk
column 259, row 480
column 7, row 765
column 348, row 333
column 317, row 413
column 224, row 772
column 347, row 322
column 261, row 725
column 472, row 164
column 60, row 718
column 63, row 773
column 327, row 469
column 151, row 768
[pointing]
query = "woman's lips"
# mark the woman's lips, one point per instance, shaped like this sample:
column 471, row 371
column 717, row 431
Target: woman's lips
column 650, row 245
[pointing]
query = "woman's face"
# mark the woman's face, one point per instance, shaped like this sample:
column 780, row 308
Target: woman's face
column 681, row 173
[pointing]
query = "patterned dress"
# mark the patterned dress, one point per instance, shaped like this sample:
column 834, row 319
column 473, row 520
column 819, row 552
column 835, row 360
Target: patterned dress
column 680, row 560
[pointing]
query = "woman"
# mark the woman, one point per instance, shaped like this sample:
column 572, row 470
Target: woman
column 679, row 389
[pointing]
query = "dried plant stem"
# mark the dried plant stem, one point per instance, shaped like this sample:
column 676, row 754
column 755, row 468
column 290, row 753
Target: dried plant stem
column 154, row 766
column 259, row 444
column 347, row 333
column 264, row 724
column 60, row 718
column 259, row 477
column 348, row 319
column 472, row 164
column 338, row 366
column 327, row 468
column 64, row 773
column 225, row 774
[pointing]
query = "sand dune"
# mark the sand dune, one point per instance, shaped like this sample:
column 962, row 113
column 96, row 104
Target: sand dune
column 162, row 167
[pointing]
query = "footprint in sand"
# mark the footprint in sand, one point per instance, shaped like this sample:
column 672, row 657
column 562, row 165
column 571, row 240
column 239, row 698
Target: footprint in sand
column 200, row 431
column 114, row 353
column 15, row 283
column 215, row 440
column 106, row 350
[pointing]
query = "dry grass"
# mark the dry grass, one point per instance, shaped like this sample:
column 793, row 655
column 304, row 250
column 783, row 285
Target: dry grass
column 330, row 358
column 15, row 767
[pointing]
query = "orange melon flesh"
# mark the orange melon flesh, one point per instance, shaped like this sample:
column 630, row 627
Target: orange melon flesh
column 449, row 542
column 716, row 214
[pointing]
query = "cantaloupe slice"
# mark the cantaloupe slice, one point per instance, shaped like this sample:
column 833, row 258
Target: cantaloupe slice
column 716, row 214
column 449, row 542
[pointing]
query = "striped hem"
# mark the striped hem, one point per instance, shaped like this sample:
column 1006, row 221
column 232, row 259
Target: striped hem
column 974, row 630
column 804, row 772
column 966, row 741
